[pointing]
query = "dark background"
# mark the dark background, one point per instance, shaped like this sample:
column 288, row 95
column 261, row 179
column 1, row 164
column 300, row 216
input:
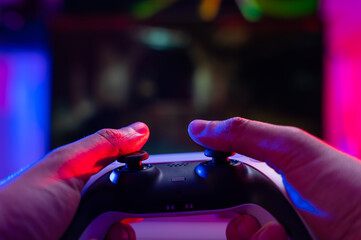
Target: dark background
column 110, row 71
column 161, row 62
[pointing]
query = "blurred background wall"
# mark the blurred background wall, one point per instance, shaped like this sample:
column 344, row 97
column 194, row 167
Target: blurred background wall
column 71, row 67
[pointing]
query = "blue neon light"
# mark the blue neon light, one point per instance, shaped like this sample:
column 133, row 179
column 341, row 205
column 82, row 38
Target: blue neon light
column 299, row 201
column 25, row 110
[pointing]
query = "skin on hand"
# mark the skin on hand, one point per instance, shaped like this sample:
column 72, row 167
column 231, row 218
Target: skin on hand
column 246, row 227
column 41, row 201
column 120, row 231
column 326, row 179
column 242, row 228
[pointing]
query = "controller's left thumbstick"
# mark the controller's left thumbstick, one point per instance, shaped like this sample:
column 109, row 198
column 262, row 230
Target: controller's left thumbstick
column 133, row 161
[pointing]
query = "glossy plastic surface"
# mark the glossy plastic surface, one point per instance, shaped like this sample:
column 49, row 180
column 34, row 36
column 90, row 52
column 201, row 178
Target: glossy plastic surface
column 181, row 188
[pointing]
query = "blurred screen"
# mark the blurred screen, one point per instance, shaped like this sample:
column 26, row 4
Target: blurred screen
column 112, row 68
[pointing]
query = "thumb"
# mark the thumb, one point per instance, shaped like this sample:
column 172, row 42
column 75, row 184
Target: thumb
column 48, row 193
column 282, row 147
column 315, row 175
column 76, row 162
column 288, row 150
column 87, row 156
column 90, row 154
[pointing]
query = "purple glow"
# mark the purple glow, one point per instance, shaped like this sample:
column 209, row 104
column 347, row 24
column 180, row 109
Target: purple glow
column 24, row 108
column 11, row 1
column 13, row 21
column 3, row 87
column 342, row 86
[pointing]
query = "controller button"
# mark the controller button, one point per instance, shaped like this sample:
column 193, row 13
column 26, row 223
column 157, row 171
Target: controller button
column 178, row 179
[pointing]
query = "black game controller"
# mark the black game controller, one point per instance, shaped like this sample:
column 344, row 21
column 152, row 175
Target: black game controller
column 182, row 188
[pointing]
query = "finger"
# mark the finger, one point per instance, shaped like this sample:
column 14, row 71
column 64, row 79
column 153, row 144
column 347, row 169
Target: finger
column 280, row 146
column 52, row 187
column 120, row 231
column 270, row 231
column 242, row 228
column 288, row 150
column 81, row 159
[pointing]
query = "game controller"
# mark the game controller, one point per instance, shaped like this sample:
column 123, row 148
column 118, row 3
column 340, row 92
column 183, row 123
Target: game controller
column 183, row 185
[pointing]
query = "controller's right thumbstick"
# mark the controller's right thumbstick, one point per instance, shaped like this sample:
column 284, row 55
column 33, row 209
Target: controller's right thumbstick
column 218, row 157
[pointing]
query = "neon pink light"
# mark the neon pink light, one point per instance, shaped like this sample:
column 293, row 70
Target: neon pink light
column 342, row 85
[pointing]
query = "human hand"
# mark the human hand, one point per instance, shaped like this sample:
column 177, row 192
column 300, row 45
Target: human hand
column 323, row 183
column 40, row 202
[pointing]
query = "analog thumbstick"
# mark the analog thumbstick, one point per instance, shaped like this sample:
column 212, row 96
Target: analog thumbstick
column 218, row 157
column 134, row 160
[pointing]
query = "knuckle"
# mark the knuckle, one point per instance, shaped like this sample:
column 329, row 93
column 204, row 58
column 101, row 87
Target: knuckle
column 293, row 132
column 236, row 121
column 233, row 125
column 111, row 135
column 59, row 152
column 295, row 136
